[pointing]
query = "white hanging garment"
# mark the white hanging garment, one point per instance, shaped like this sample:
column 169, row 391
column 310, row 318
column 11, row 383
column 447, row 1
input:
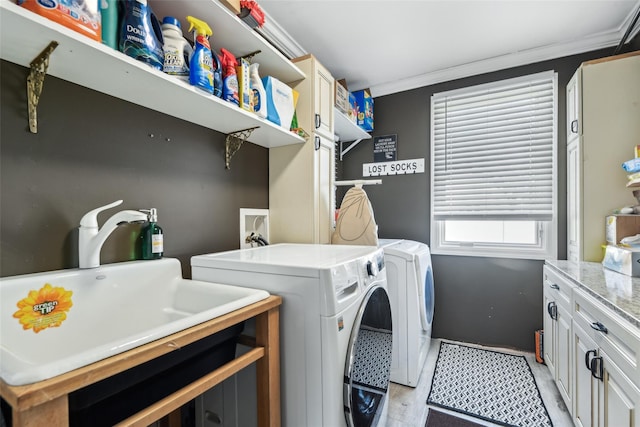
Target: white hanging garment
column 356, row 224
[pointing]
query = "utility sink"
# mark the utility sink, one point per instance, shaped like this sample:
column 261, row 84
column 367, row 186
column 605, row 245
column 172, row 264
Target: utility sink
column 57, row 321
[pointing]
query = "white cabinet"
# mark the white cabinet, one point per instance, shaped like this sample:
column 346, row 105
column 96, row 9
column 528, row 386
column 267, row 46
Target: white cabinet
column 301, row 178
column 574, row 200
column 558, row 332
column 315, row 104
column 603, row 106
column 24, row 34
column 606, row 366
column 585, row 385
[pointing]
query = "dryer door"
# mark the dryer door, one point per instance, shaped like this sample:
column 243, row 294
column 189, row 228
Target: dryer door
column 366, row 377
column 425, row 290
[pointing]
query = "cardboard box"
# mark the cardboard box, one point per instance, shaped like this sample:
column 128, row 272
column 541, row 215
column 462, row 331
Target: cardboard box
column 365, row 109
column 232, row 5
column 620, row 226
column 623, row 260
column 352, row 113
column 341, row 97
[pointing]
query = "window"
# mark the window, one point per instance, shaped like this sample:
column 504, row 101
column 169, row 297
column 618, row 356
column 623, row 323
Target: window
column 494, row 169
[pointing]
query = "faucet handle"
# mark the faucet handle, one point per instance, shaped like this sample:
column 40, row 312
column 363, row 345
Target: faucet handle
column 90, row 219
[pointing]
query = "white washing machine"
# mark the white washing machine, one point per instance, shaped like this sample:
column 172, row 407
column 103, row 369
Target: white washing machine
column 335, row 326
column 410, row 287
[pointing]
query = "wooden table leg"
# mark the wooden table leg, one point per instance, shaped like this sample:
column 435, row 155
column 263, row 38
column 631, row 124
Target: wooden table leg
column 268, row 368
column 55, row 412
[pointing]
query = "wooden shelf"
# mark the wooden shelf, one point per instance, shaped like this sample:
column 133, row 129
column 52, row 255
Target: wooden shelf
column 83, row 61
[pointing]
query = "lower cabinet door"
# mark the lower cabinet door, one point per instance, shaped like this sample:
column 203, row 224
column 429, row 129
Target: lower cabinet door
column 585, row 385
column 563, row 355
column 619, row 397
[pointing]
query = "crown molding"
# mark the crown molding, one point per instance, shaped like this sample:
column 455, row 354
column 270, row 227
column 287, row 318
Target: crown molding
column 280, row 38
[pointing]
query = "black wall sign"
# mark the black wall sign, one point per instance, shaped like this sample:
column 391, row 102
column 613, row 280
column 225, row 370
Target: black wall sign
column 385, row 148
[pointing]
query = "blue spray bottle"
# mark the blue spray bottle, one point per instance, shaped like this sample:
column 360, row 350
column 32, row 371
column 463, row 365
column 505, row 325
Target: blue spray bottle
column 201, row 65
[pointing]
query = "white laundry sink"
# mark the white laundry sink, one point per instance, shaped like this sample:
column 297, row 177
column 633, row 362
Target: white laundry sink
column 57, row 321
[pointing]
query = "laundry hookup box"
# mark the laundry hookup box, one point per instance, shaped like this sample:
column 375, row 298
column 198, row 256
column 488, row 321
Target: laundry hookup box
column 364, row 101
column 623, row 260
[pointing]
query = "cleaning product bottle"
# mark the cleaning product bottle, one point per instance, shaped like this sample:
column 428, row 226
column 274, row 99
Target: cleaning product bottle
column 177, row 50
column 140, row 33
column 217, row 75
column 201, row 65
column 229, row 76
column 152, row 236
column 259, row 94
column 109, row 14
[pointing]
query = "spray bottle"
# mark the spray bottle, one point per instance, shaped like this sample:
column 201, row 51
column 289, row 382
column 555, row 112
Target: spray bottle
column 229, row 76
column 201, row 64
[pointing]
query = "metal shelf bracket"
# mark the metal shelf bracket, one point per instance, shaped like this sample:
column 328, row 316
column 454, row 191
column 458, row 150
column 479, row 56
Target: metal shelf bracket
column 234, row 141
column 346, row 150
column 35, row 82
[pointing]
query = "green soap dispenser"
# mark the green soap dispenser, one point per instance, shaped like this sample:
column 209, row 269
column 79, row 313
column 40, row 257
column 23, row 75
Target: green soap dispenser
column 152, row 236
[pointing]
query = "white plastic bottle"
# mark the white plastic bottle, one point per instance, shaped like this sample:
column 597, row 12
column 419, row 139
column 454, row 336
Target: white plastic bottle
column 259, row 94
column 177, row 50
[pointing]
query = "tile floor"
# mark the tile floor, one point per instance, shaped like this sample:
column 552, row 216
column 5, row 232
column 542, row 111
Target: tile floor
column 408, row 408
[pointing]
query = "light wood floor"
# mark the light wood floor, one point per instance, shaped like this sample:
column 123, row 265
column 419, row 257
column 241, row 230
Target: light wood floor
column 408, row 408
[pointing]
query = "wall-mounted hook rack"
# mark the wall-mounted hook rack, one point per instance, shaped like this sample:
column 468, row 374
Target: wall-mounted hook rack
column 234, row 141
column 35, row 82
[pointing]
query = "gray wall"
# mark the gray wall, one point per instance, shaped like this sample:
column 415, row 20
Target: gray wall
column 492, row 301
column 92, row 149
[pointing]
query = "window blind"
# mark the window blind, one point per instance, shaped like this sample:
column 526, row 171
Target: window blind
column 492, row 150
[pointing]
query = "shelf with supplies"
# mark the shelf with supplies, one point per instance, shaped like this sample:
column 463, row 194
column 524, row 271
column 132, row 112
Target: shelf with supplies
column 347, row 132
column 83, row 61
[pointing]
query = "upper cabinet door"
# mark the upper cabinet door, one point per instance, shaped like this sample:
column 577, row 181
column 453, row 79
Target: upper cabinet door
column 574, row 108
column 324, row 89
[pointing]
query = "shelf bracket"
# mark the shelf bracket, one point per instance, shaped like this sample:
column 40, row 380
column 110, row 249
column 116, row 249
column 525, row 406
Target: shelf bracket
column 346, row 150
column 234, row 141
column 35, row 81
column 249, row 56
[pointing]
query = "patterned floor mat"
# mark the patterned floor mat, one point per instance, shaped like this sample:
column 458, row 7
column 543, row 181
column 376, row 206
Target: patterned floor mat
column 489, row 385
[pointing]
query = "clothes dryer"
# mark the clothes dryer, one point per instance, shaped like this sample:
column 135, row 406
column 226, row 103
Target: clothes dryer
column 335, row 326
column 411, row 293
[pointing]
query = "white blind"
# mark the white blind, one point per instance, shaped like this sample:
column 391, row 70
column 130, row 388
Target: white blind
column 492, row 150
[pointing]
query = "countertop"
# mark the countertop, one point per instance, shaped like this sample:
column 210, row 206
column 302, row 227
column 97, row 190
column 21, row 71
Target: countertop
column 619, row 292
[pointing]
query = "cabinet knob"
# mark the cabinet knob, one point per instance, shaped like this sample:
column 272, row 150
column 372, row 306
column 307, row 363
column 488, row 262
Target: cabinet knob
column 552, row 309
column 318, row 121
column 554, row 286
column 316, row 140
column 587, row 359
column 599, row 327
column 574, row 126
column 596, row 368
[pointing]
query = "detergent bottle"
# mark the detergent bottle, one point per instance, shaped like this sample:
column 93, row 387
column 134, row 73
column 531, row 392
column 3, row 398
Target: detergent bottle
column 177, row 50
column 229, row 77
column 259, row 94
column 201, row 65
column 140, row 34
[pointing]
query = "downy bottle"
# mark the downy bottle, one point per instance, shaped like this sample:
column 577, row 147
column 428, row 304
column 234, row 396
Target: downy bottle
column 152, row 236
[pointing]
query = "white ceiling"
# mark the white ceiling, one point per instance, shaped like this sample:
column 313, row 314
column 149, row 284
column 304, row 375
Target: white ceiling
column 391, row 46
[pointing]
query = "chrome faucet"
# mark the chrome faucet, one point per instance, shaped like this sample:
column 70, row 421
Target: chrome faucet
column 91, row 238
